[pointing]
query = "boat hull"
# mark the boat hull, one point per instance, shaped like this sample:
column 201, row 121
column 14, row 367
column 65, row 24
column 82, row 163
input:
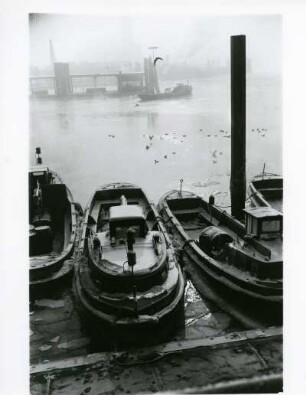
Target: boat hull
column 130, row 308
column 46, row 285
column 252, row 296
column 245, row 310
column 166, row 95
column 132, row 330
column 54, row 266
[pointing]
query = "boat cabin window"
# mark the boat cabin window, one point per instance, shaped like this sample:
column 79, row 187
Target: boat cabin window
column 271, row 226
column 118, row 229
column 124, row 217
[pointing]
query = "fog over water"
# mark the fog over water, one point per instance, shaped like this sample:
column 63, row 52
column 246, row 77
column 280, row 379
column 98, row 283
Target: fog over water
column 190, row 39
column 93, row 141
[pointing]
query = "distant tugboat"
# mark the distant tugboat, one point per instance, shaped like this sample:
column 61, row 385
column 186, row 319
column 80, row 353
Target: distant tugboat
column 245, row 260
column 152, row 90
column 128, row 279
column 180, row 90
column 52, row 235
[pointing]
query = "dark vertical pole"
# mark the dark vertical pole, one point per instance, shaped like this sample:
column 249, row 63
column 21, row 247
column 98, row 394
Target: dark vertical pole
column 238, row 120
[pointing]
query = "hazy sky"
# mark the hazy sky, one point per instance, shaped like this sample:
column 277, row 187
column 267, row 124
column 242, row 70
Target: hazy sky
column 183, row 38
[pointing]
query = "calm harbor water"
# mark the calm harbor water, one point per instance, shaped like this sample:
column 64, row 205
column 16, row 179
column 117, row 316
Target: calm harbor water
column 93, row 141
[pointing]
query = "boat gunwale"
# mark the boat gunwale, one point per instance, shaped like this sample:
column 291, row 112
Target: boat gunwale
column 129, row 320
column 116, row 299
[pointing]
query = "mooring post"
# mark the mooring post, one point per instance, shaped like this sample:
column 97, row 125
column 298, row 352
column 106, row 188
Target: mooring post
column 238, row 122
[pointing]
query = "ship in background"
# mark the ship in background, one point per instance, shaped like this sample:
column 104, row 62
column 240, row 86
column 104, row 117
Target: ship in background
column 152, row 90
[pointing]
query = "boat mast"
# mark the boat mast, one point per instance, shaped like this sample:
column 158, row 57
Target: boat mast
column 238, row 123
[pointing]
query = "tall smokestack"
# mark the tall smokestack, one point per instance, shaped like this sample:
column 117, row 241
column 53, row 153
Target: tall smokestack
column 151, row 77
column 52, row 55
column 146, row 74
column 238, row 121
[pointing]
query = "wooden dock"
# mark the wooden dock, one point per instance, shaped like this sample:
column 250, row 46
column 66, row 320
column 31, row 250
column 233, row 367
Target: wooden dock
column 248, row 361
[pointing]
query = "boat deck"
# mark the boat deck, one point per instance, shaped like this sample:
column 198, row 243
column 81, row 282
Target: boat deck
column 276, row 203
column 115, row 258
column 195, row 220
column 267, row 191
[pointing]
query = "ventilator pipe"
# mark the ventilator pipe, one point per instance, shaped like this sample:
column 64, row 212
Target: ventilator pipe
column 123, row 200
column 181, row 186
column 130, row 238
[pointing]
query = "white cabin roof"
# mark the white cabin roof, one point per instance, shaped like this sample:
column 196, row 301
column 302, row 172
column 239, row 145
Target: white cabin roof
column 262, row 212
column 125, row 211
column 38, row 169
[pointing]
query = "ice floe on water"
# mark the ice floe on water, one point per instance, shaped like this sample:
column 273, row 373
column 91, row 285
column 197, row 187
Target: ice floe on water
column 45, row 347
column 200, row 184
column 75, row 343
column 53, row 304
column 55, row 339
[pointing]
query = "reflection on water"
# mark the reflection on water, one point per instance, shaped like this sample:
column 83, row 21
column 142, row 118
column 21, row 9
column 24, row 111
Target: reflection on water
column 151, row 121
column 90, row 142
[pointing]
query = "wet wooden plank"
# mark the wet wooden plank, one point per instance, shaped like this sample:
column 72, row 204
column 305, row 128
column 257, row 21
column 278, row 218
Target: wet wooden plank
column 210, row 369
column 233, row 338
